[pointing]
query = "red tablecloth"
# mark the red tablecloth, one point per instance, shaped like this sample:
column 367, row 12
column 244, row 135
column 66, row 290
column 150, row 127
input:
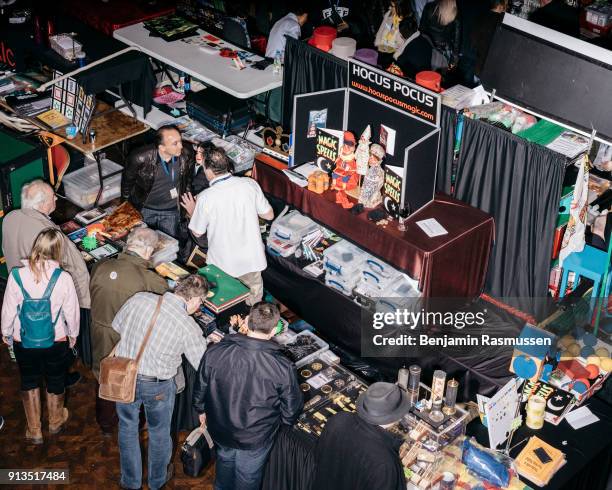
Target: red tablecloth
column 451, row 265
column 114, row 14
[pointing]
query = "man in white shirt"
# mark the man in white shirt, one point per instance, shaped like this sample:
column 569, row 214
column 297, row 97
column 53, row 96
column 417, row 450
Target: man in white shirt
column 290, row 25
column 228, row 212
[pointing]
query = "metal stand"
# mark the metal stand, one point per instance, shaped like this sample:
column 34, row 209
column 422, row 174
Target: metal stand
column 506, row 450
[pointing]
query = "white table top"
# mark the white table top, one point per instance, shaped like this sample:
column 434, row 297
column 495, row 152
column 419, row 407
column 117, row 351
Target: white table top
column 212, row 69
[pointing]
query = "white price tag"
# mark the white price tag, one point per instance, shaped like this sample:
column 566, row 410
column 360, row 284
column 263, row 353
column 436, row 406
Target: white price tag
column 319, row 380
column 432, row 227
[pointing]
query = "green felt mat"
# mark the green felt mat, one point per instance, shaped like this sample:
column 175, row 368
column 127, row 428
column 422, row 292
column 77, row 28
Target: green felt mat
column 226, row 289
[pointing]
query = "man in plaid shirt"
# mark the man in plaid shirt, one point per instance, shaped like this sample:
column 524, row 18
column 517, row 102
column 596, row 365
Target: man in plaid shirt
column 174, row 333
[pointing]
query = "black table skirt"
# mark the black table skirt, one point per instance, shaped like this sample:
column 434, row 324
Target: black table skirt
column 291, row 462
column 337, row 318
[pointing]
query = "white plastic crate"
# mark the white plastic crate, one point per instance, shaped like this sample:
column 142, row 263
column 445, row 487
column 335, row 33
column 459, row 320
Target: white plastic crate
column 81, row 186
column 344, row 259
column 292, row 227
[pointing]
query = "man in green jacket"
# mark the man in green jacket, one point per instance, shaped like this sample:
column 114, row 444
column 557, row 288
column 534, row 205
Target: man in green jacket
column 113, row 282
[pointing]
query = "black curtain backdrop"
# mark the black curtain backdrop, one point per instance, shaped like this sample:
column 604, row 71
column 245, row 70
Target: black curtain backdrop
column 448, row 122
column 306, row 70
column 519, row 184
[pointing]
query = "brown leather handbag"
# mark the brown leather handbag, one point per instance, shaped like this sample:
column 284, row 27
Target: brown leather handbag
column 118, row 374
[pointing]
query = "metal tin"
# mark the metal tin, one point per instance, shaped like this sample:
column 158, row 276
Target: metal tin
column 92, row 136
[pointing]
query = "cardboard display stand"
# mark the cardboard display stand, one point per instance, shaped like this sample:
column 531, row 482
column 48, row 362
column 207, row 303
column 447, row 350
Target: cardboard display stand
column 409, row 114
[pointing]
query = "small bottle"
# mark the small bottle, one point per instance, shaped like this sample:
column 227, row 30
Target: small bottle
column 450, row 397
column 415, row 378
column 92, row 136
column 278, row 65
column 181, row 83
column 402, row 378
column 81, row 58
column 187, row 83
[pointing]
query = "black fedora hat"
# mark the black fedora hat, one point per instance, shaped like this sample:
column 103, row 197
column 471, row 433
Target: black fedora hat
column 382, row 404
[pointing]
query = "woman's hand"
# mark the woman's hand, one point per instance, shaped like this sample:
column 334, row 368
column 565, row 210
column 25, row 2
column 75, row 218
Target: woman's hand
column 72, row 341
column 6, row 340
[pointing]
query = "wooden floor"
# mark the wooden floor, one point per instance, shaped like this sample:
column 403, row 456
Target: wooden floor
column 93, row 459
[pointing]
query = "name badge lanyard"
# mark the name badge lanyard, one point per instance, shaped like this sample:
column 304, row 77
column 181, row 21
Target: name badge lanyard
column 168, row 171
column 220, row 180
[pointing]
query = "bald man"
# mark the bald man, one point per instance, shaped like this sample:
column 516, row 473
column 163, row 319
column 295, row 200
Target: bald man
column 21, row 226
column 19, row 230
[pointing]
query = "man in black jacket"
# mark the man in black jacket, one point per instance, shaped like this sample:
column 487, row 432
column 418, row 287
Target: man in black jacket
column 246, row 388
column 355, row 452
column 156, row 176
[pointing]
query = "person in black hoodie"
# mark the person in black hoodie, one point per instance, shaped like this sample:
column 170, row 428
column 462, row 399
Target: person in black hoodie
column 245, row 389
column 440, row 23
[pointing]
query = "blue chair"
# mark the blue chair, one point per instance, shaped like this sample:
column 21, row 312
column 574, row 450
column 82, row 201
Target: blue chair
column 590, row 263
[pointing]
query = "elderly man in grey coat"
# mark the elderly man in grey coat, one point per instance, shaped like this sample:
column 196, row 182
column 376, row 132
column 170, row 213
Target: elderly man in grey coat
column 20, row 228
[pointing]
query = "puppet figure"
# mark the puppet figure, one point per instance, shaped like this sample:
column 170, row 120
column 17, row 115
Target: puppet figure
column 370, row 195
column 344, row 176
column 362, row 155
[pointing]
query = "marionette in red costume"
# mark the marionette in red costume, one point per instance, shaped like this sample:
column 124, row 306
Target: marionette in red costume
column 344, row 176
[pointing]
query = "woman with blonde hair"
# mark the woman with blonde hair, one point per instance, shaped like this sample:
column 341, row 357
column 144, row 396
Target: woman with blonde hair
column 40, row 319
column 440, row 24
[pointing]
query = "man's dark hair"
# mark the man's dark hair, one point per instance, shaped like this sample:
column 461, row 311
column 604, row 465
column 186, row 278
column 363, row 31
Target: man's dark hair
column 159, row 135
column 403, row 8
column 496, row 3
column 217, row 161
column 299, row 8
column 263, row 317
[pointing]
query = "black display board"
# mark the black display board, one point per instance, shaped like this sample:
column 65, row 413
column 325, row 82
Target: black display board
column 412, row 112
column 406, row 111
column 551, row 74
column 305, row 108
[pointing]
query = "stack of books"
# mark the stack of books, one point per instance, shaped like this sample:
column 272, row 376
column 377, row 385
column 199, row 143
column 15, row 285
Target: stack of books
column 539, row 461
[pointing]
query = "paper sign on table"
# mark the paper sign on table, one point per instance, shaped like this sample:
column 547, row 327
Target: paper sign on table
column 432, row 227
column 581, row 417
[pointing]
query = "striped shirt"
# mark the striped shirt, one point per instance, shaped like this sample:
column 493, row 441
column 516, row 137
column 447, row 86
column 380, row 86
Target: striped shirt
column 175, row 333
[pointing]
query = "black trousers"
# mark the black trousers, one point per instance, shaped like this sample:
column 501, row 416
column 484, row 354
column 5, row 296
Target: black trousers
column 50, row 363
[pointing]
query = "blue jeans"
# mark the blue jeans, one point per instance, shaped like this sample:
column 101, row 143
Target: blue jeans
column 158, row 401
column 240, row 469
column 162, row 220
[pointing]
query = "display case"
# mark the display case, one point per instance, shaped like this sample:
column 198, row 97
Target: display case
column 417, row 428
column 303, row 348
column 82, row 186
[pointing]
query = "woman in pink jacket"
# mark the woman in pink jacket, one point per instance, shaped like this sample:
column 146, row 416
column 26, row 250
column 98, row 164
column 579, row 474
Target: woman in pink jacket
column 40, row 270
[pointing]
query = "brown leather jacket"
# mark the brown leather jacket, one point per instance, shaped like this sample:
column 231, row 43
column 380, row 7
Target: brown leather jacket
column 139, row 174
